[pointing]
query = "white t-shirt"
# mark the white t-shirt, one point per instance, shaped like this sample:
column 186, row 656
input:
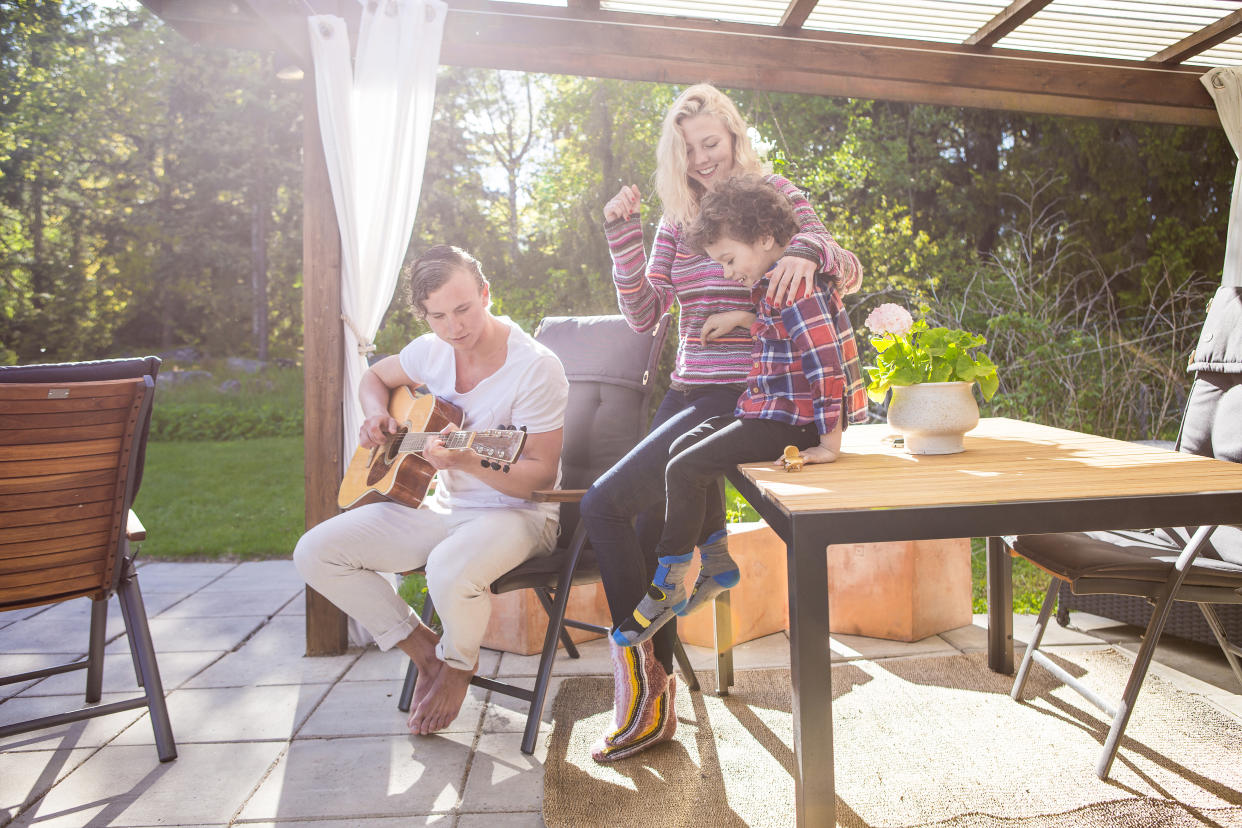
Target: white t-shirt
column 529, row 390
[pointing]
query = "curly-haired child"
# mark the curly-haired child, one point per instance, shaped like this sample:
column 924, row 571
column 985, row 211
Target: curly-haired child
column 805, row 385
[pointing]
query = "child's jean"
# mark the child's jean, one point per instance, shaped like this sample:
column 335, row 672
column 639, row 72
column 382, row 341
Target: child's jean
column 703, row 454
column 624, row 511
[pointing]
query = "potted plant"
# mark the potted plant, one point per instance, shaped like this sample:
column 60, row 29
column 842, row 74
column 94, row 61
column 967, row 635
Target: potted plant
column 930, row 371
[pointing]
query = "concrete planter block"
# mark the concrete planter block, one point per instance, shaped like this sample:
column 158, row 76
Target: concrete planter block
column 902, row 591
column 758, row 604
column 899, row 591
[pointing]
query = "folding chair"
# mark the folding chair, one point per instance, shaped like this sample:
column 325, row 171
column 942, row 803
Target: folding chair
column 1203, row 565
column 72, row 447
column 610, row 370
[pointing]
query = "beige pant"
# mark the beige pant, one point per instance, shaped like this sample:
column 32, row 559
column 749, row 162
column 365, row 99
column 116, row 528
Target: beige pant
column 463, row 552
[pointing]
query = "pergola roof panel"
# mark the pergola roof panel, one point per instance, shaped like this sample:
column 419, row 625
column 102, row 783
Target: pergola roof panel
column 1124, row 29
column 941, row 21
column 761, row 12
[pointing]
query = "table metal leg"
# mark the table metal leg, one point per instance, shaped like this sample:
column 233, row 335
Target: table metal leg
column 1000, row 607
column 811, row 667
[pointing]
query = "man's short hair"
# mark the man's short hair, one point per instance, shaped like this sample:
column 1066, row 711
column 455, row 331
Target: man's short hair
column 744, row 208
column 430, row 271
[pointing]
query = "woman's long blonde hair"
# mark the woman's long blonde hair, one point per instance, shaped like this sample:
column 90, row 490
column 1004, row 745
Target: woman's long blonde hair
column 678, row 192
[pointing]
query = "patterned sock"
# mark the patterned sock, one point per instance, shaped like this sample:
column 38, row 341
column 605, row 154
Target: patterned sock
column 718, row 572
column 664, row 599
column 642, row 704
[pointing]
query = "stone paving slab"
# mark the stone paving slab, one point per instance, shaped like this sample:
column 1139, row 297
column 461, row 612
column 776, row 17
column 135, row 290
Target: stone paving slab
column 118, row 674
column 77, row 613
column 234, row 715
column 27, row 776
column 496, row 820
column 373, row 776
column 444, row 820
column 40, row 635
column 369, row 708
column 220, row 603
column 276, row 654
column 126, row 785
column 259, row 576
column 95, row 732
column 183, row 635
column 502, row 778
column 13, row 664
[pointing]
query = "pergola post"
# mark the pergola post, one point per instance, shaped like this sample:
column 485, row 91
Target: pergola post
column 323, row 361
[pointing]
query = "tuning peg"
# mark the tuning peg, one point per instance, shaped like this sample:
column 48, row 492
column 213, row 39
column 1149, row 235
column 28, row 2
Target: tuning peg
column 523, row 428
column 495, row 466
column 506, row 468
column 484, row 463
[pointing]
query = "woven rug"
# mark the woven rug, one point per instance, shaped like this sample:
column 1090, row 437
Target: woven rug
column 918, row 742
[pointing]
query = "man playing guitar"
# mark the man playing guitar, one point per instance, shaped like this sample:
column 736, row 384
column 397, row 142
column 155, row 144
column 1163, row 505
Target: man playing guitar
column 479, row 523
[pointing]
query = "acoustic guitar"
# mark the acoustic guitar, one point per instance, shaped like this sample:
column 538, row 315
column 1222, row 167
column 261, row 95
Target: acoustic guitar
column 396, row 471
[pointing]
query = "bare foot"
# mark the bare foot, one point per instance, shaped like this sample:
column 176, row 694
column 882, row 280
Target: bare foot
column 420, row 646
column 443, row 702
column 423, row 683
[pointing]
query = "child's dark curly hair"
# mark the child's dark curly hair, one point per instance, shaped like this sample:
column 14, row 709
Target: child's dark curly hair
column 744, row 208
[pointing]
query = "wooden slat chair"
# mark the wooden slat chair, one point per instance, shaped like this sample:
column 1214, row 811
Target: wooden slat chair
column 72, row 446
column 1202, row 566
column 611, row 371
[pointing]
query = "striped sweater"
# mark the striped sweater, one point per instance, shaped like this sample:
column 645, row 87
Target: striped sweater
column 646, row 289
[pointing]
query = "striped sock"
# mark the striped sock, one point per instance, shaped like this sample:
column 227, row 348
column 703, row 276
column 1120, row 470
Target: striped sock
column 664, row 599
column 717, row 572
column 643, row 704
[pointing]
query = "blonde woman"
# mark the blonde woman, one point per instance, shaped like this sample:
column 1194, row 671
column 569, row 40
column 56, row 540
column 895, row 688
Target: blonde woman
column 704, row 141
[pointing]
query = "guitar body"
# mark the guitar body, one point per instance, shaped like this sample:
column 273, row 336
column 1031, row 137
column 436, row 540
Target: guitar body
column 378, row 474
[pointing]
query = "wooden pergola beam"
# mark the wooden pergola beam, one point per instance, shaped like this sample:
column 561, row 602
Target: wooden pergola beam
column 797, row 13
column 1200, row 41
column 1014, row 15
column 677, row 50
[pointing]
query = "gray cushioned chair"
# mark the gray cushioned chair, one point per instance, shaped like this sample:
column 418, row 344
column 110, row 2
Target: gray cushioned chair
column 1202, row 565
column 611, row 372
column 74, row 441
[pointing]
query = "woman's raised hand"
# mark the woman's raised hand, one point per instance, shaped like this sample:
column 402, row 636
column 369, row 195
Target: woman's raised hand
column 625, row 203
column 791, row 277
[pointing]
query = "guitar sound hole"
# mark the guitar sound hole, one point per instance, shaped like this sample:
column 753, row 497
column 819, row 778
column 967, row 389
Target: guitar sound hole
column 394, row 446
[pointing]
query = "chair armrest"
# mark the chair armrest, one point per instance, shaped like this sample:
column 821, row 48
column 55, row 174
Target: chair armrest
column 557, row 495
column 134, row 530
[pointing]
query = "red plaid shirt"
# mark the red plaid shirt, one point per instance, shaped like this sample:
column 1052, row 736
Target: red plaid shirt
column 804, row 362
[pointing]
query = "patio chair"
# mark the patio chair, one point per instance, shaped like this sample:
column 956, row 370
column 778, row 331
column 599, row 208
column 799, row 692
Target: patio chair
column 1202, row 566
column 74, row 440
column 610, row 370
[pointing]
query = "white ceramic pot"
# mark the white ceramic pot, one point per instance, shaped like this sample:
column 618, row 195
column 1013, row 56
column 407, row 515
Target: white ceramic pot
column 933, row 416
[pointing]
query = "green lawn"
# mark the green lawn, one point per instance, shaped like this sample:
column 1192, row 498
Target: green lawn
column 242, row 500
column 238, row 500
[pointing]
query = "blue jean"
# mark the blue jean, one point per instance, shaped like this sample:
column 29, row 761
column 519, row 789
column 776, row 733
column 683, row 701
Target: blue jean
column 624, row 510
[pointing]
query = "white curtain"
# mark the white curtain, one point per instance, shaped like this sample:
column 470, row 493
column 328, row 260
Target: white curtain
column 375, row 115
column 1225, row 87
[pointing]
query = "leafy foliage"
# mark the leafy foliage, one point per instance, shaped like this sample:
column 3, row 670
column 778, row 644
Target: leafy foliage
column 926, row 354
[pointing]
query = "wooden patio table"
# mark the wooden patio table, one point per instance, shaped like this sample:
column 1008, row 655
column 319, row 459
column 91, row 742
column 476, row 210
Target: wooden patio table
column 1014, row 478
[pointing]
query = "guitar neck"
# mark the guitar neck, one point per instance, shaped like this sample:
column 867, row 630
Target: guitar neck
column 417, row 440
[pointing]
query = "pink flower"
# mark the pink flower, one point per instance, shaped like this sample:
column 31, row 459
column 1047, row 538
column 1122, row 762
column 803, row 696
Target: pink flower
column 889, row 319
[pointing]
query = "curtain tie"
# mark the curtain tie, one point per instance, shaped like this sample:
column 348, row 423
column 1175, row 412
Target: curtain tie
column 365, row 345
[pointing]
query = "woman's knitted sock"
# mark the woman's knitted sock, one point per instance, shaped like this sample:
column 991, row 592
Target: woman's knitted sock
column 664, row 599
column 717, row 572
column 642, row 704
